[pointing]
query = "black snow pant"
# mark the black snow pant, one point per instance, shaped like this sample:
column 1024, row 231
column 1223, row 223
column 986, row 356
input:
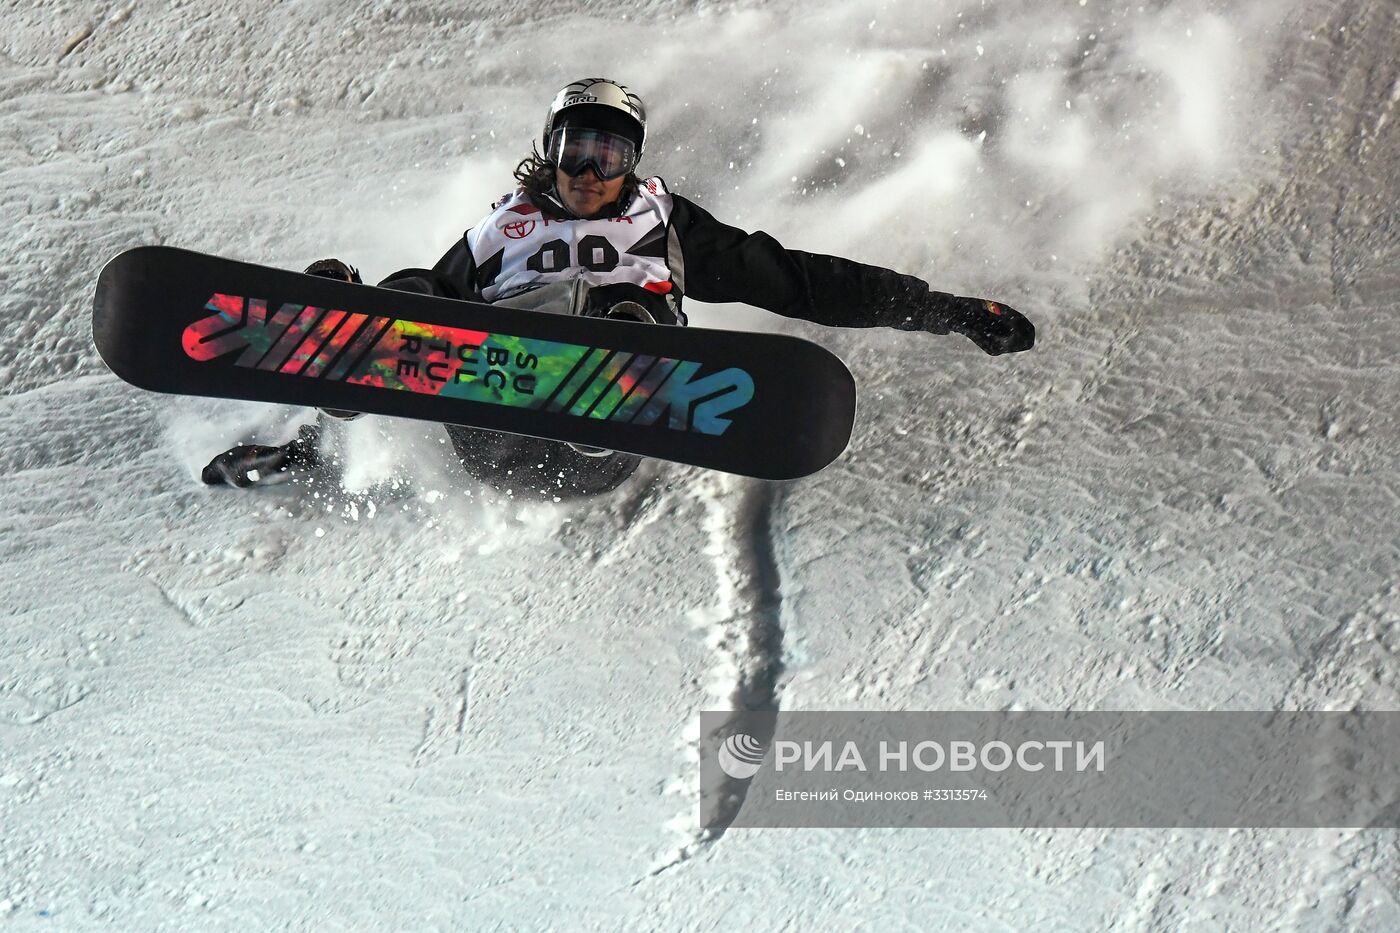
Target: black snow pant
column 536, row 468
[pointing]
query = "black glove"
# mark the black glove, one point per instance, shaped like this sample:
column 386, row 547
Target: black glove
column 248, row 465
column 260, row 465
column 994, row 327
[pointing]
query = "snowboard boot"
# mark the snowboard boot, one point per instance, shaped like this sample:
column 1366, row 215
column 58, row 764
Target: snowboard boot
column 622, row 311
column 260, row 465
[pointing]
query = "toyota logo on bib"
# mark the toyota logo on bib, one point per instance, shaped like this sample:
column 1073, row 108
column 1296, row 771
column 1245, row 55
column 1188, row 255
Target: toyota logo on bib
column 518, row 229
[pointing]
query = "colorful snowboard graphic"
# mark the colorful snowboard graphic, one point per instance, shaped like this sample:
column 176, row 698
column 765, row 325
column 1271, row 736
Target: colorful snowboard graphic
column 763, row 405
column 472, row 365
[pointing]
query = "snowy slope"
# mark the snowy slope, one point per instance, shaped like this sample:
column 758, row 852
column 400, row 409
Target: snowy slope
column 417, row 704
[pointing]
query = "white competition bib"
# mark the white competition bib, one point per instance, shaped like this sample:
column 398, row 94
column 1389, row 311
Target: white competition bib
column 517, row 249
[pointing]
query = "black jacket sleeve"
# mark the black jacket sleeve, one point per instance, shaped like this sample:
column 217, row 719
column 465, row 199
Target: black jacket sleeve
column 723, row 263
column 454, row 276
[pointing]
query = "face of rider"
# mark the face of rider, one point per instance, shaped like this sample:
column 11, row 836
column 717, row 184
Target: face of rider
column 586, row 194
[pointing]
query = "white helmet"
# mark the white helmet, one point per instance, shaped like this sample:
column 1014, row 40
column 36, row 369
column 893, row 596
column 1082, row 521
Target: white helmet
column 599, row 103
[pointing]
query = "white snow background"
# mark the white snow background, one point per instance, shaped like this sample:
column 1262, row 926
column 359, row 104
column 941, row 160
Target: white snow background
column 418, row 704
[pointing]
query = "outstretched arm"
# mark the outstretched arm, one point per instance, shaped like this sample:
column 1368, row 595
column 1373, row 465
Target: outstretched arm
column 724, row 263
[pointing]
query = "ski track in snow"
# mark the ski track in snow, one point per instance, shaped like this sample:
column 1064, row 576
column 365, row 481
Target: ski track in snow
column 408, row 702
column 744, row 632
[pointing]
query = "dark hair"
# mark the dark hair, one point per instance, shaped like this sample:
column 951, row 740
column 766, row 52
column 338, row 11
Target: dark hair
column 536, row 175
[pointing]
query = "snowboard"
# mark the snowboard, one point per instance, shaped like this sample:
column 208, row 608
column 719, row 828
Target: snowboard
column 765, row 405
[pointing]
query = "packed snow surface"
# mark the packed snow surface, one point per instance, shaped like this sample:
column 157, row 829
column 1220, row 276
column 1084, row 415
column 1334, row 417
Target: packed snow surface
column 414, row 703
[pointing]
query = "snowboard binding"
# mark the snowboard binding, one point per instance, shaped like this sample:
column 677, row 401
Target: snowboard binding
column 344, row 272
column 622, row 311
column 334, row 269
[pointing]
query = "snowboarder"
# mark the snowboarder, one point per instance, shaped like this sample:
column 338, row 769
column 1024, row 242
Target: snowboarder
column 583, row 234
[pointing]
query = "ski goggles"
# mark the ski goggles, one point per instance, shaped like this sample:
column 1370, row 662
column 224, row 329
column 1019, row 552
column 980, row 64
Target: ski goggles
column 575, row 148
